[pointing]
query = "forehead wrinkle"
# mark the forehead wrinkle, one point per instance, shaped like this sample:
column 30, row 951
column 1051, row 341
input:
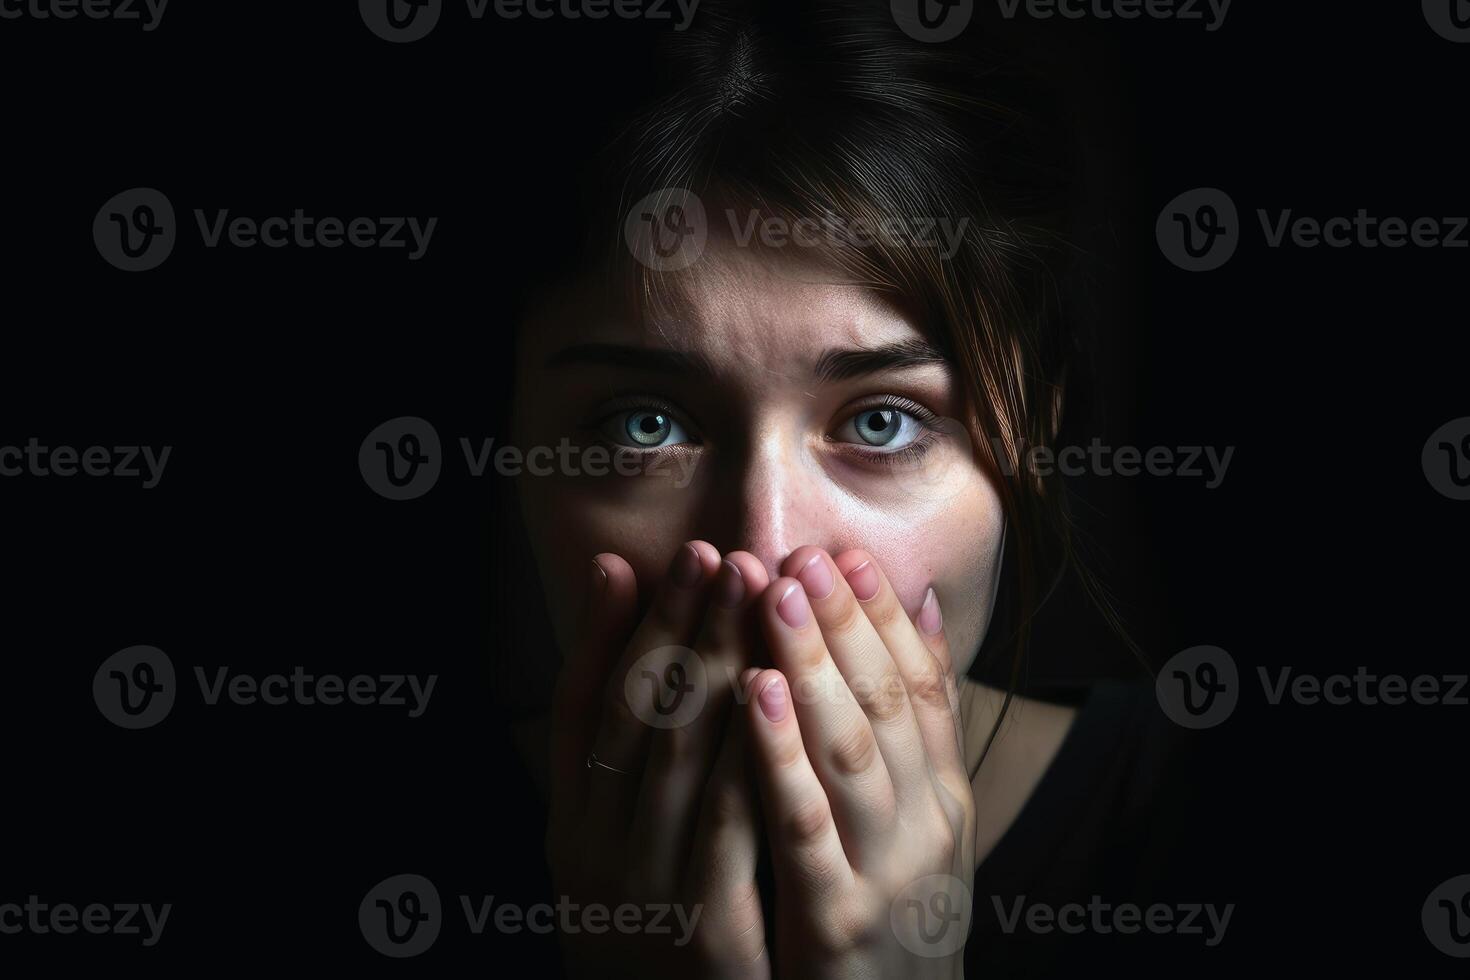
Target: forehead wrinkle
column 742, row 312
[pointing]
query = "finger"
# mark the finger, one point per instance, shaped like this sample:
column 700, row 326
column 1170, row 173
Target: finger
column 628, row 698
column 928, row 680
column 839, row 740
column 721, row 871
column 867, row 666
column 680, row 758
column 806, row 850
column 602, row 631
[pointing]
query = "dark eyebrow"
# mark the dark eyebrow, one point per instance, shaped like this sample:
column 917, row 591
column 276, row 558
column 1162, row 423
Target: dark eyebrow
column 642, row 358
column 836, row 364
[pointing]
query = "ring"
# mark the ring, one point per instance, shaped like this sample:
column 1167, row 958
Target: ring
column 592, row 760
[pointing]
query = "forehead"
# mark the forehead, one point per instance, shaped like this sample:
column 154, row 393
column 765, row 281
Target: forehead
column 743, row 311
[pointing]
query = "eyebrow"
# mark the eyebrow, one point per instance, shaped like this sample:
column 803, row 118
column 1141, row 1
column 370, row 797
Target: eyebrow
column 834, row 364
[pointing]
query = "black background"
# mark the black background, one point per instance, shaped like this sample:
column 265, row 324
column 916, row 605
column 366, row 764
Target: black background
column 262, row 548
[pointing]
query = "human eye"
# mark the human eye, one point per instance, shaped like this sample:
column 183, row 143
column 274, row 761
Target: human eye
column 643, row 423
column 888, row 429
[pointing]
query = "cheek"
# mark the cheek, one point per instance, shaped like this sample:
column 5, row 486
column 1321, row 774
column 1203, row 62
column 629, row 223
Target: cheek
column 955, row 549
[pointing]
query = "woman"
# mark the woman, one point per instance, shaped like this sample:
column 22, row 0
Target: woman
column 815, row 321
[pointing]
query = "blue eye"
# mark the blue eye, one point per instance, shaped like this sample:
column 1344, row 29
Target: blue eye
column 644, row 428
column 888, row 428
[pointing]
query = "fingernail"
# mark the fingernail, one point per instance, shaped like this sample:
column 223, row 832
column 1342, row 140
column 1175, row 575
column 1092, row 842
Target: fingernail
column 815, row 578
column 598, row 581
column 730, row 586
column 864, row 581
column 792, row 608
column 930, row 620
column 686, row 567
column 773, row 700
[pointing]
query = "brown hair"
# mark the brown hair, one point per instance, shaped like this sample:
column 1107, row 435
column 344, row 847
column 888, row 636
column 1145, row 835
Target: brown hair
column 829, row 112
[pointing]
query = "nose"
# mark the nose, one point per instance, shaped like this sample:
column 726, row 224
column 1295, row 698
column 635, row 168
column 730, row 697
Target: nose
column 776, row 499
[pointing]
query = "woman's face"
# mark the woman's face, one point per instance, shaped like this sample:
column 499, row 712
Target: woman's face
column 775, row 408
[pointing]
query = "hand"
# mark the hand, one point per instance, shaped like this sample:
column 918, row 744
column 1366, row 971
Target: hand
column 857, row 740
column 679, row 828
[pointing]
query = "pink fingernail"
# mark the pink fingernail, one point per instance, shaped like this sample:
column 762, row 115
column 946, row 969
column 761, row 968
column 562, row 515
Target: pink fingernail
column 864, row 581
column 773, row 700
column 930, row 620
column 793, row 608
column 730, row 586
column 815, row 578
column 686, row 567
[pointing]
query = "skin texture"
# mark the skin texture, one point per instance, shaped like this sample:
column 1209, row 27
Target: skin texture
column 762, row 476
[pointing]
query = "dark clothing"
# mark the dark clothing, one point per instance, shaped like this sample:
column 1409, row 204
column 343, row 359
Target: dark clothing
column 1097, row 824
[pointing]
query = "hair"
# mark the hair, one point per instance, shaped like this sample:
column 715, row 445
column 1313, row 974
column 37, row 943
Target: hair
column 828, row 111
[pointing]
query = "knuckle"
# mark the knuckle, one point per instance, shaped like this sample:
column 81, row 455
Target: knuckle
column 929, row 686
column 884, row 701
column 808, row 820
column 854, row 751
column 885, row 613
column 789, row 753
